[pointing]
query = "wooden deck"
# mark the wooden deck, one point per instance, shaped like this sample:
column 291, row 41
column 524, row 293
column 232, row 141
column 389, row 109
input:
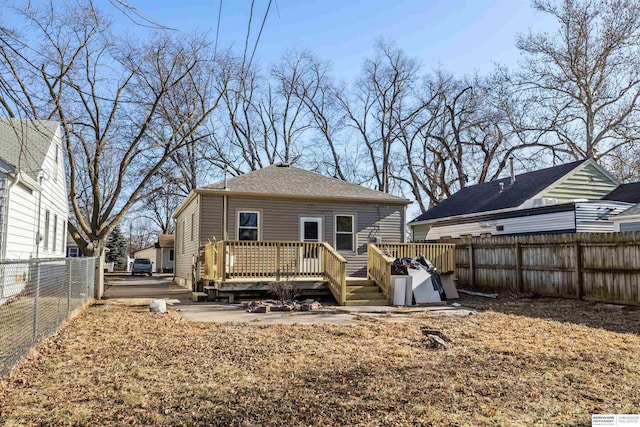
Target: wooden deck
column 232, row 266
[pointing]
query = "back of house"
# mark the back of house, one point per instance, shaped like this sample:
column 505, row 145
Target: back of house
column 283, row 203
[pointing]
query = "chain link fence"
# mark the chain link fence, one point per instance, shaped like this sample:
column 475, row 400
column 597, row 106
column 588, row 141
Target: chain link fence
column 36, row 296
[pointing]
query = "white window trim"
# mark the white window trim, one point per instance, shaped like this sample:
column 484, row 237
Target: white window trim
column 303, row 218
column 353, row 232
column 259, row 227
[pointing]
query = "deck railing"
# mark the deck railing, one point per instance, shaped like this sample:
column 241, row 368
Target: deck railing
column 272, row 261
column 442, row 255
column 379, row 268
column 335, row 270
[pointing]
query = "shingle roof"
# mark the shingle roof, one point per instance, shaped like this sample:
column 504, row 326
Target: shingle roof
column 629, row 193
column 633, row 210
column 25, row 143
column 487, row 196
column 290, row 181
column 165, row 241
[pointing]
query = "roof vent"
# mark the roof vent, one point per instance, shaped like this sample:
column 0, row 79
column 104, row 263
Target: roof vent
column 283, row 165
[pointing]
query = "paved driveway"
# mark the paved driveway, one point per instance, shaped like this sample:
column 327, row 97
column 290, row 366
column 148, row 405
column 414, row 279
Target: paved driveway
column 159, row 286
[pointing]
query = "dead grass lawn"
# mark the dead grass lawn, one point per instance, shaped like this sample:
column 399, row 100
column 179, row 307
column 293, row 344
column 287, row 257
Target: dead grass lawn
column 520, row 362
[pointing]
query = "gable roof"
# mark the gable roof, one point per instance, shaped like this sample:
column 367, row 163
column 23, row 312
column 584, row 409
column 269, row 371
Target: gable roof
column 24, row 143
column 290, row 181
column 629, row 193
column 165, row 241
column 487, row 196
column 632, row 211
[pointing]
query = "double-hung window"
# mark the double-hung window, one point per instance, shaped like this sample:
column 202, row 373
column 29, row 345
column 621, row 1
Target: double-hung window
column 248, row 225
column 344, row 232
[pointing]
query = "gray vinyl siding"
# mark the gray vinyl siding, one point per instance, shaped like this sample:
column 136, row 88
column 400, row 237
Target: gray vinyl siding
column 280, row 220
column 185, row 248
column 587, row 183
column 211, row 219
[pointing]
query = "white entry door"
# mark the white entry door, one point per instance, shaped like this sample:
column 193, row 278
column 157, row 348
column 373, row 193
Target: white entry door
column 310, row 232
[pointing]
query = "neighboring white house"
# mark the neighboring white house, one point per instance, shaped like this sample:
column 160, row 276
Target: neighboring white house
column 161, row 253
column 33, row 191
column 577, row 197
column 628, row 220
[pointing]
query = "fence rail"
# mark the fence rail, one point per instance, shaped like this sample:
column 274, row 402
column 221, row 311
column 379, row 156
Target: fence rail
column 245, row 261
column 379, row 269
column 593, row 266
column 440, row 254
column 36, row 296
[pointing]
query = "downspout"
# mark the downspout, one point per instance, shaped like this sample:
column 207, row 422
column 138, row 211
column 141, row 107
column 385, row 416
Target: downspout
column 5, row 226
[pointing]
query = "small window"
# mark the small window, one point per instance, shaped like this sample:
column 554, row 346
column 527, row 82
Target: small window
column 55, row 233
column 171, row 255
column 46, row 230
column 74, row 252
column 344, row 232
column 248, row 225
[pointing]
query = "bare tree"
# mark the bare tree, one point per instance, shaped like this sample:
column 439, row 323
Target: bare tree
column 380, row 98
column 583, row 81
column 111, row 97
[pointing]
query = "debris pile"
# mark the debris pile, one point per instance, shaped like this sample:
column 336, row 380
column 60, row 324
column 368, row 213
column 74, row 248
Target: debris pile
column 436, row 339
column 268, row 306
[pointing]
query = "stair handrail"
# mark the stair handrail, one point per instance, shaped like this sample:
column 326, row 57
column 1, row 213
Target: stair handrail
column 335, row 272
column 379, row 268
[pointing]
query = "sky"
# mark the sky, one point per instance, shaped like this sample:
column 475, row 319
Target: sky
column 460, row 36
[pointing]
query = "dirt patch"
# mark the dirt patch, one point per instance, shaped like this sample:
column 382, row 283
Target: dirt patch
column 122, row 365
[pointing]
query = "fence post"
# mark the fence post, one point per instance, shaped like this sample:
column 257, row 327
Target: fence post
column 578, row 272
column 519, row 278
column 472, row 271
column 68, row 265
column 36, row 302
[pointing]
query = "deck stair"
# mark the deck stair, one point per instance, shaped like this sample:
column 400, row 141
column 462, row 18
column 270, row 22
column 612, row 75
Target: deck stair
column 361, row 291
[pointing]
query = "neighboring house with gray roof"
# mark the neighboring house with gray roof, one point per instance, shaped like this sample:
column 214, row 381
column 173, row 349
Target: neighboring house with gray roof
column 628, row 220
column 286, row 203
column 33, row 192
column 571, row 198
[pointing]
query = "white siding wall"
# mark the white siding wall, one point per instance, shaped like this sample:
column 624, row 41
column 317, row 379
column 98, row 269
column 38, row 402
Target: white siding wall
column 21, row 222
column 54, row 198
column 530, row 224
column 25, row 205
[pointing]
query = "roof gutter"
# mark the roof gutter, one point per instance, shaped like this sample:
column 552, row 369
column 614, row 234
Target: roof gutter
column 395, row 201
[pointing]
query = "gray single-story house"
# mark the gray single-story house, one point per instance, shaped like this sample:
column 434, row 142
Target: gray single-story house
column 283, row 203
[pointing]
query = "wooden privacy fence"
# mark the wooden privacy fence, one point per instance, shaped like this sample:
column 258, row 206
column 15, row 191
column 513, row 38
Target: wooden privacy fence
column 593, row 266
